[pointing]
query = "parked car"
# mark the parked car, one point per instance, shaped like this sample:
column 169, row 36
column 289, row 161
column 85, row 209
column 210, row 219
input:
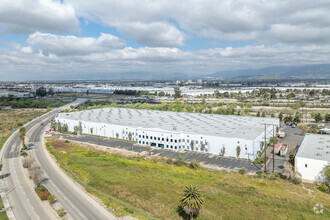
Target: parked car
column 281, row 134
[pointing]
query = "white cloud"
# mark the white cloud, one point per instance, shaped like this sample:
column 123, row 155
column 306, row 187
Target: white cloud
column 230, row 20
column 28, row 16
column 72, row 45
column 159, row 34
column 31, row 63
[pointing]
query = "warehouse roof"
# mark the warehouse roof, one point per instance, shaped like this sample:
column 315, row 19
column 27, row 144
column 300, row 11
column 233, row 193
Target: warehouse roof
column 244, row 127
column 315, row 146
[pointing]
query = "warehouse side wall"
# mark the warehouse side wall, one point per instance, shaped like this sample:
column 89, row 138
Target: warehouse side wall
column 173, row 140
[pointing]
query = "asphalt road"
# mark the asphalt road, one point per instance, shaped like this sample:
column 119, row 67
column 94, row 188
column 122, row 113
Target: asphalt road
column 24, row 202
column 206, row 159
column 77, row 203
column 293, row 138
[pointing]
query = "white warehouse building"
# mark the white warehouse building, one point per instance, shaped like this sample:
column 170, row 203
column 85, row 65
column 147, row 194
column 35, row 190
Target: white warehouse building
column 176, row 130
column 312, row 157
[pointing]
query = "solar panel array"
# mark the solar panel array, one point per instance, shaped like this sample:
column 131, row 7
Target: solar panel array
column 207, row 124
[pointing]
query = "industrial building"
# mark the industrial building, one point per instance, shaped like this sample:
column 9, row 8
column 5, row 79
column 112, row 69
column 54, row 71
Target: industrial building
column 209, row 133
column 312, row 156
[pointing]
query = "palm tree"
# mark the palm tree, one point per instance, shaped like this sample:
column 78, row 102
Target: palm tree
column 22, row 135
column 191, row 201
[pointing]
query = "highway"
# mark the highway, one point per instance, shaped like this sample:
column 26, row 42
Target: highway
column 24, row 202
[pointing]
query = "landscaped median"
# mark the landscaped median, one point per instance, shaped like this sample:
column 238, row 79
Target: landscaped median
column 150, row 187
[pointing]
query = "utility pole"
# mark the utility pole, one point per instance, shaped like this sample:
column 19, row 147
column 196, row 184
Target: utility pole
column 273, row 149
column 265, row 146
column 265, row 157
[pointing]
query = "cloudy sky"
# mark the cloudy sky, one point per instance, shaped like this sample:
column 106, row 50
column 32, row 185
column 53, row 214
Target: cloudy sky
column 80, row 39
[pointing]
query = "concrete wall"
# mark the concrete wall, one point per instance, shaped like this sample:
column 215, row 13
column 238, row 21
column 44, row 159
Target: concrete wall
column 310, row 169
column 174, row 140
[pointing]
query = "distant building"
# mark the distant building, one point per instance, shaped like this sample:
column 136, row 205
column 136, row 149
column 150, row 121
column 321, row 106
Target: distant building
column 313, row 155
column 207, row 133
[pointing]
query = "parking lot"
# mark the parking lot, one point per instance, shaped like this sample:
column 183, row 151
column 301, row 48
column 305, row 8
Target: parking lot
column 293, row 138
column 206, row 159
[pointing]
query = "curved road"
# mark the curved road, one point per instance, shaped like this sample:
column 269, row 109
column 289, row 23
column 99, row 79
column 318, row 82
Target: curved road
column 77, row 202
column 23, row 201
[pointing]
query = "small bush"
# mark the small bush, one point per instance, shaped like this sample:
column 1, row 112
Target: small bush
column 27, row 161
column 242, row 171
column 180, row 161
column 296, row 180
column 66, row 141
column 24, row 154
column 51, row 199
column 324, row 188
column 169, row 161
column 60, row 211
column 194, row 165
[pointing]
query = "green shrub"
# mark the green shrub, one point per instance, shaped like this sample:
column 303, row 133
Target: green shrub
column 51, row 199
column 194, row 165
column 324, row 188
column 66, row 141
column 296, row 180
column 242, row 171
column 169, row 161
column 60, row 211
column 180, row 161
column 24, row 154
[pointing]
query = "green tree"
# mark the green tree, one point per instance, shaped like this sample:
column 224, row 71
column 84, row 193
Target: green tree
column 191, row 201
column 130, row 136
column 297, row 117
column 177, row 92
column 59, row 126
column 203, row 147
column 238, row 151
column 192, row 144
column 223, row 151
column 41, row 91
column 50, row 92
column 327, row 173
column 327, row 117
column 318, row 117
column 53, row 125
column 65, row 128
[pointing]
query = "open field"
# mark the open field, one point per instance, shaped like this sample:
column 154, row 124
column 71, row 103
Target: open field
column 31, row 103
column 13, row 119
column 154, row 186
